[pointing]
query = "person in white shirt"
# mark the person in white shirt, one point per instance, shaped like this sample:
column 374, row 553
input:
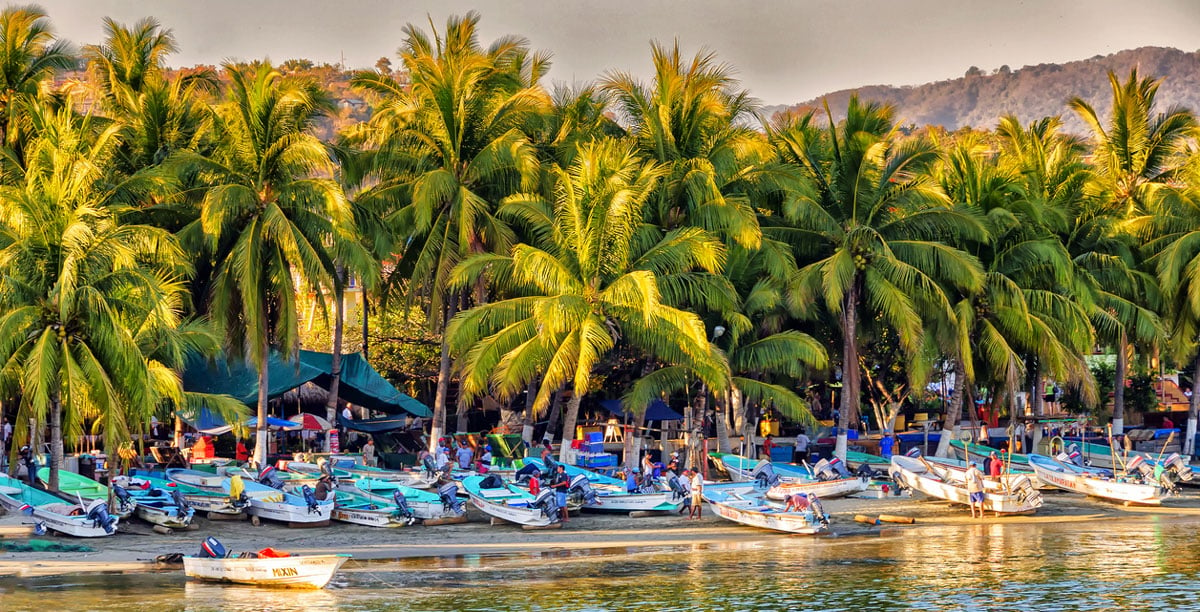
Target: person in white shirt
column 802, row 442
column 442, row 459
column 697, row 486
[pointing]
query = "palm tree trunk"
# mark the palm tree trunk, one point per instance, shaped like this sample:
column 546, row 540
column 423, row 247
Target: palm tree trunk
column 738, row 408
column 56, row 439
column 260, row 434
column 950, row 427
column 527, row 418
column 849, row 367
column 339, row 322
column 461, row 423
column 722, row 405
column 1118, row 415
column 568, row 428
column 1189, row 439
column 695, row 435
column 555, row 413
column 438, row 428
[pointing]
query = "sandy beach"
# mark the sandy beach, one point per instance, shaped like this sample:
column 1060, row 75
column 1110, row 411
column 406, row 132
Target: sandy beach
column 135, row 548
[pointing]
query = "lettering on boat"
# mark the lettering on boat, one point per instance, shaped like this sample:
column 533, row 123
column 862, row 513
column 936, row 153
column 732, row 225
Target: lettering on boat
column 284, row 572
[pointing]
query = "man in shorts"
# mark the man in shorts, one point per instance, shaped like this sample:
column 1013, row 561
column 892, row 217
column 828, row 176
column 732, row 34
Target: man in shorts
column 975, row 488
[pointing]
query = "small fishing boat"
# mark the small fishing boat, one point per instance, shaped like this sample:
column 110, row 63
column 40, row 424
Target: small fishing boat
column 1097, row 455
column 1095, row 482
column 744, row 504
column 345, row 469
column 73, row 487
column 1017, row 496
column 216, row 502
column 361, row 510
column 90, row 520
column 505, row 501
column 878, row 465
column 967, row 451
column 267, row 568
column 264, row 501
column 163, row 506
column 827, row 479
column 605, row 499
column 412, row 502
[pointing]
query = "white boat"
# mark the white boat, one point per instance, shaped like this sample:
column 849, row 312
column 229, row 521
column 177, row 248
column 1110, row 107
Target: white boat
column 264, row 502
column 742, row 503
column 200, row 500
column 779, row 480
column 1095, row 483
column 164, row 506
column 50, row 512
column 825, row 489
column 301, row 571
column 1097, row 455
column 511, row 503
column 948, row 483
column 606, row 499
column 346, row 470
column 424, row 505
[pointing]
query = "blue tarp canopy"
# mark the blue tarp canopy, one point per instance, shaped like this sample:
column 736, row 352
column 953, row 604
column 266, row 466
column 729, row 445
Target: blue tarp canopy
column 379, row 425
column 209, row 422
column 361, row 385
column 252, row 423
column 658, row 410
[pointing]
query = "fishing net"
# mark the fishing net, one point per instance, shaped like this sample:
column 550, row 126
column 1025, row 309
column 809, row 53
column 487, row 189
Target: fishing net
column 42, row 546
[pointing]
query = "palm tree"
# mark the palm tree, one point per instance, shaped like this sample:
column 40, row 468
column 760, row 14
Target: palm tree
column 272, row 216
column 455, row 132
column 591, row 285
column 80, row 289
column 872, row 226
column 29, row 55
column 1136, row 155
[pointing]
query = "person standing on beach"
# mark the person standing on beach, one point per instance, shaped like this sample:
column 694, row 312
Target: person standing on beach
column 561, row 484
column 697, row 495
column 996, row 467
column 975, row 488
column 802, row 442
column 464, row 455
column 768, row 444
column 368, row 453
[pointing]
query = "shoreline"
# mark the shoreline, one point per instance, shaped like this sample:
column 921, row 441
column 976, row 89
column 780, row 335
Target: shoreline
column 600, row 533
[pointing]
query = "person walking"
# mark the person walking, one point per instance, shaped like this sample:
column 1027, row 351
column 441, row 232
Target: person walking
column 975, row 489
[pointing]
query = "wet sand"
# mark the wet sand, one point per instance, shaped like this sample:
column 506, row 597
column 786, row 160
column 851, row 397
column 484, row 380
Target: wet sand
column 135, row 548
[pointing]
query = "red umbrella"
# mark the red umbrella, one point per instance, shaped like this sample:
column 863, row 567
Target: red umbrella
column 311, row 422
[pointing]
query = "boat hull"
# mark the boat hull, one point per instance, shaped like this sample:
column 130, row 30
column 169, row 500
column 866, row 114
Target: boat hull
column 166, row 517
column 746, row 506
column 13, row 497
column 910, row 473
column 305, row 572
column 1056, row 475
column 825, row 489
column 635, row 502
column 514, row 514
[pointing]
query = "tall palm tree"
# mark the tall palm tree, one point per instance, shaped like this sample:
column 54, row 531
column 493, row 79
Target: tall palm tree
column 29, row 55
column 456, row 134
column 591, row 284
column 79, row 288
column 271, row 218
column 1136, row 154
column 869, row 233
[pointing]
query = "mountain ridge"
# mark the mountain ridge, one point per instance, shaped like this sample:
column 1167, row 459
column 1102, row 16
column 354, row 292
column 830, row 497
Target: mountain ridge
column 979, row 99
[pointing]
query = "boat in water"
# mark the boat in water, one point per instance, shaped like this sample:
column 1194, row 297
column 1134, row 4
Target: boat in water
column 508, row 502
column 946, row 482
column 1096, row 482
column 82, row 520
column 743, row 503
column 266, row 568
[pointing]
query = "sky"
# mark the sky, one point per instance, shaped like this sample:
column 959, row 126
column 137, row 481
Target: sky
column 783, row 51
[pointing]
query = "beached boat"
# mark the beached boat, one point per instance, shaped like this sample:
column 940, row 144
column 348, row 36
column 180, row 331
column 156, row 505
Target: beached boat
column 779, row 480
column 412, row 502
column 967, row 451
column 264, row 501
column 1096, row 455
column 505, row 501
column 217, row 502
column 948, row 483
column 345, row 469
column 742, row 503
column 855, row 461
column 90, row 520
column 605, row 499
column 74, row 487
column 264, row 568
column 1095, row 482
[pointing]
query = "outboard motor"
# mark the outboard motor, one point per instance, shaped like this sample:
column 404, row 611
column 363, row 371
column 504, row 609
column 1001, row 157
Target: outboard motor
column 679, row 488
column 449, row 495
column 764, row 475
column 526, row 472
column 913, row 452
column 865, row 472
column 1072, row 456
column 181, row 504
column 97, row 512
column 830, row 469
column 212, row 548
column 546, row 502
column 580, row 485
column 124, row 499
column 402, row 508
column 269, row 477
column 1023, row 488
column 818, row 510
column 310, row 498
column 1174, row 464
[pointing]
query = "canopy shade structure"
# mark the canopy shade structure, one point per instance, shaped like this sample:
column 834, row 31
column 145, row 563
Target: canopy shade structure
column 380, row 425
column 208, row 422
column 361, row 385
column 274, row 423
column 657, row 411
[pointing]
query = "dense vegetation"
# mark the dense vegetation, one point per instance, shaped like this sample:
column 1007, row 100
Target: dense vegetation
column 624, row 238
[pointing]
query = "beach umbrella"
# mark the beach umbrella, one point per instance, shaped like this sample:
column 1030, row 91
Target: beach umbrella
column 311, row 422
column 274, row 423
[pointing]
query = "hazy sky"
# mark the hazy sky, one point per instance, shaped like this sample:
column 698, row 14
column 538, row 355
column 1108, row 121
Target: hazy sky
column 784, row 51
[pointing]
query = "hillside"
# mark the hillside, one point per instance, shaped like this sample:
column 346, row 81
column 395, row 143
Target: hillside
column 978, row 99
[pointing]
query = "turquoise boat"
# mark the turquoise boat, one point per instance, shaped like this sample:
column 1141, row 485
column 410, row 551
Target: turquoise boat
column 88, row 520
column 74, row 487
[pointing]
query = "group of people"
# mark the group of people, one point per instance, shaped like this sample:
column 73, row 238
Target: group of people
column 465, row 456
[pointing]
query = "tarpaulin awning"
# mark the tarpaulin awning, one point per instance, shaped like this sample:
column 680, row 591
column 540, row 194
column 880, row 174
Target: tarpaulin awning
column 240, row 379
column 657, row 411
column 361, row 385
column 207, row 422
column 379, row 425
column 274, row 423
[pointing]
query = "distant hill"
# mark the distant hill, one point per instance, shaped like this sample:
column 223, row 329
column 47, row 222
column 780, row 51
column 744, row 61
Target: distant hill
column 979, row 99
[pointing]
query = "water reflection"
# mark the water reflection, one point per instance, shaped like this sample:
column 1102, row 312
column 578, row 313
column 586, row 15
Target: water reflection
column 1138, row 563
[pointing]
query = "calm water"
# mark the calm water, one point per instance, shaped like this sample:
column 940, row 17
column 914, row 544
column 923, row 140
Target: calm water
column 1141, row 564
